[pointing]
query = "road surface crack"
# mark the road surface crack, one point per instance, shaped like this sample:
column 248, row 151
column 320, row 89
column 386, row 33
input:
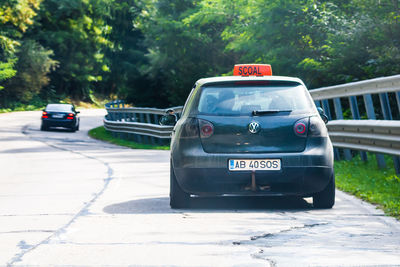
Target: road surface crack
column 269, row 235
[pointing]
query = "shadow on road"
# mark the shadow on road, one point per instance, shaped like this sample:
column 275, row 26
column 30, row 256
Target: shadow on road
column 161, row 205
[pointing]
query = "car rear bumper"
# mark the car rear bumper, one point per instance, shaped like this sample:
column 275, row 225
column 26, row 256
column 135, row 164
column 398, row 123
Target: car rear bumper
column 58, row 123
column 300, row 181
column 302, row 173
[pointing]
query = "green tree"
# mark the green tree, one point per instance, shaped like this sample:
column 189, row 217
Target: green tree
column 126, row 56
column 369, row 44
column 15, row 17
column 76, row 31
column 34, row 64
column 182, row 47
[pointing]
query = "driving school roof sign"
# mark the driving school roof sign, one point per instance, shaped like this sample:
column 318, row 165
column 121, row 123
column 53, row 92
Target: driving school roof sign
column 252, row 70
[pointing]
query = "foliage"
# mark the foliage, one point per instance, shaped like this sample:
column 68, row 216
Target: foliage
column 126, row 56
column 367, row 181
column 15, row 17
column 76, row 31
column 150, row 52
column 7, row 70
column 100, row 133
column 34, row 63
column 183, row 46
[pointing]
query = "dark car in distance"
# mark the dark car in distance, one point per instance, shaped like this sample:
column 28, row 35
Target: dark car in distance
column 60, row 115
column 251, row 135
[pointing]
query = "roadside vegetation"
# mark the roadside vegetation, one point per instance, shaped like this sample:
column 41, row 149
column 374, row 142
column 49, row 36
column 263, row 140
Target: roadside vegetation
column 101, row 134
column 150, row 52
column 366, row 181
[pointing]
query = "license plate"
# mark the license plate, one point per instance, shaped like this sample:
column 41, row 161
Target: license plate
column 254, row 164
column 58, row 116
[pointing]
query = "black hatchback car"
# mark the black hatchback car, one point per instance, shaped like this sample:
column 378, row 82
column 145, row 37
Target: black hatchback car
column 60, row 115
column 251, row 135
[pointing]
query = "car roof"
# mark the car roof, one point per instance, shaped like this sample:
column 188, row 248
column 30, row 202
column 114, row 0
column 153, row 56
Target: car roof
column 58, row 104
column 247, row 78
column 59, row 107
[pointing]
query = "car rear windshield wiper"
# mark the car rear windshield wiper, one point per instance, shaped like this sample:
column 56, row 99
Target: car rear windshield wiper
column 264, row 112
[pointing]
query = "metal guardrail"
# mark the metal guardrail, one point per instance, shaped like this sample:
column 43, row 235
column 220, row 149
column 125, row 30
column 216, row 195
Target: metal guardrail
column 154, row 111
column 147, row 129
column 367, row 135
column 373, row 86
column 372, row 135
column 377, row 136
column 138, row 124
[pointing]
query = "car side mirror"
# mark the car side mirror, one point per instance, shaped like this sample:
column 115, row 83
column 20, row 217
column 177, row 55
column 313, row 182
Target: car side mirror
column 168, row 120
column 323, row 115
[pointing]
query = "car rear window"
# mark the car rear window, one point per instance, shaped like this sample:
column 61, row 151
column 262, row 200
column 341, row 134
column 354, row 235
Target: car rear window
column 242, row 100
column 59, row 107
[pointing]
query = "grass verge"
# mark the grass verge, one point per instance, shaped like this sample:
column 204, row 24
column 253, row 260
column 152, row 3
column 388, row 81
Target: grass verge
column 366, row 181
column 101, row 134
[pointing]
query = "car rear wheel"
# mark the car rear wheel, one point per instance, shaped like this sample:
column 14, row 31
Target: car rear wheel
column 43, row 128
column 178, row 198
column 326, row 198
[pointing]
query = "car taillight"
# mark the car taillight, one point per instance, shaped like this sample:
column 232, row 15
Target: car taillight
column 317, row 127
column 70, row 116
column 45, row 115
column 206, row 128
column 300, row 127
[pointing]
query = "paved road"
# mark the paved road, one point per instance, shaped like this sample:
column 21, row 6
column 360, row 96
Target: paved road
column 66, row 199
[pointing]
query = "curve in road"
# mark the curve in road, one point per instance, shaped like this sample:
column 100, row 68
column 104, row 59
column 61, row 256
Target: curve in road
column 66, row 199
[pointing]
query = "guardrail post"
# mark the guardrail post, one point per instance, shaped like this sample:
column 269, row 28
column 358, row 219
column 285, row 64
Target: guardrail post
column 387, row 115
column 139, row 138
column 156, row 121
column 369, row 106
column 356, row 115
column 325, row 106
column 113, row 118
column 143, row 138
column 148, row 120
column 339, row 115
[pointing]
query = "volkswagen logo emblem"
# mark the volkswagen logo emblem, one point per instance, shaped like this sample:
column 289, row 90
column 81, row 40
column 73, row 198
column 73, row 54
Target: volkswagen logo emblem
column 254, row 127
